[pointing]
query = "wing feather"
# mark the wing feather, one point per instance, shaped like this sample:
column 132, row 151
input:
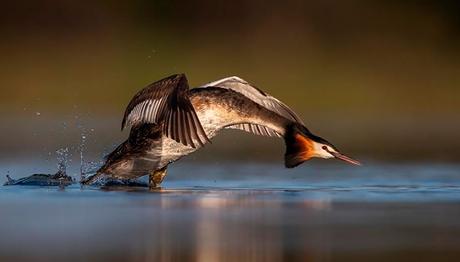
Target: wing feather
column 258, row 96
column 166, row 102
column 255, row 129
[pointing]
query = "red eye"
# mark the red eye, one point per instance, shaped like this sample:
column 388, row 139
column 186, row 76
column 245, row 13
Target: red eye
column 325, row 147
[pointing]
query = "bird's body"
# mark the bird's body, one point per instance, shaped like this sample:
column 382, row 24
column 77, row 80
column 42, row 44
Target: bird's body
column 170, row 121
column 148, row 149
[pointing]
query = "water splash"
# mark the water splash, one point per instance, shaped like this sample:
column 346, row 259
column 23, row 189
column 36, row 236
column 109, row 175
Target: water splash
column 63, row 159
column 82, row 148
column 90, row 167
column 86, row 167
column 82, row 145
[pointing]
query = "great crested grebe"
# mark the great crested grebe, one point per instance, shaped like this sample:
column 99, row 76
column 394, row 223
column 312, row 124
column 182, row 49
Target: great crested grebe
column 168, row 121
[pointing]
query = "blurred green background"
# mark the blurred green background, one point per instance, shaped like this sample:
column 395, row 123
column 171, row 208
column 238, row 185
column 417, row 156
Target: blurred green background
column 380, row 79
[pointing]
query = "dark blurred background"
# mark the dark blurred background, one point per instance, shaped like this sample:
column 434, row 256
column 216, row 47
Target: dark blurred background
column 380, row 79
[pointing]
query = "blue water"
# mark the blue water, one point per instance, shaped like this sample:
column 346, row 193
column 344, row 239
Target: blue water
column 232, row 211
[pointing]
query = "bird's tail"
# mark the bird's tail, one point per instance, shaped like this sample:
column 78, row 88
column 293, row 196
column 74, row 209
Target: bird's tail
column 298, row 145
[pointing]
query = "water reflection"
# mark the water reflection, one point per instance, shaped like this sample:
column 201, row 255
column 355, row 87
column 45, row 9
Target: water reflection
column 225, row 226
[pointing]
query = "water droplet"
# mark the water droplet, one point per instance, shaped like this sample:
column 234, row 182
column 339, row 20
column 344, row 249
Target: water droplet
column 63, row 159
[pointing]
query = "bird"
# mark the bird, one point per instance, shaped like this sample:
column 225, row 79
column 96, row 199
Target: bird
column 168, row 121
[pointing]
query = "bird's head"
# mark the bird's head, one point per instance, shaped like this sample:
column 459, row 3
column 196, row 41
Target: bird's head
column 323, row 149
column 302, row 145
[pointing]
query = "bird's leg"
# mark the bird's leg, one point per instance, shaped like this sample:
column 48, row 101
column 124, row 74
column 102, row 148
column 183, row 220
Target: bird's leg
column 157, row 177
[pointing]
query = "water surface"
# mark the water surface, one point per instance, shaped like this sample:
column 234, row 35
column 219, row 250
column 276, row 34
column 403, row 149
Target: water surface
column 243, row 212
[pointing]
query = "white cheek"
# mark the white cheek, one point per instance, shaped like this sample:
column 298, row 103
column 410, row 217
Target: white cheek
column 322, row 154
column 327, row 155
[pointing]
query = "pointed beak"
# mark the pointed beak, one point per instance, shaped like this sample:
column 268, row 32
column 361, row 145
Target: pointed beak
column 345, row 158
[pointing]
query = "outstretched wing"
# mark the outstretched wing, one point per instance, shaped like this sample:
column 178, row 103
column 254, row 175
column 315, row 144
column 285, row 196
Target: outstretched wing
column 166, row 101
column 260, row 97
column 255, row 94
